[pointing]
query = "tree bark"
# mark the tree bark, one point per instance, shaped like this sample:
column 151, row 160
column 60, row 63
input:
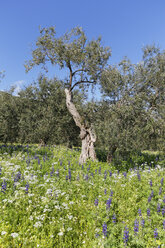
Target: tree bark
column 87, row 135
column 111, row 153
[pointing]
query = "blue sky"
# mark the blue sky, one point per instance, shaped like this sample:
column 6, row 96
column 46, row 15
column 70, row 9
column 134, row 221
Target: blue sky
column 125, row 25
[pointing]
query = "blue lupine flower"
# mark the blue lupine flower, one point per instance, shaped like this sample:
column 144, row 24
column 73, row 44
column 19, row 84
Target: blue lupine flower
column 109, row 201
column 152, row 193
column 148, row 212
column 26, row 188
column 69, row 174
column 17, row 177
column 139, row 212
column 4, row 185
column 105, row 229
column 155, row 233
column 162, row 180
column 38, row 161
column 86, row 177
column 160, row 190
column 149, row 198
column 105, row 191
column 164, row 224
column 96, row 171
column 100, row 170
column 111, row 194
column 126, row 235
column 0, row 171
column 125, row 174
column 52, row 172
column 139, row 176
column 158, row 208
column 96, row 202
column 163, row 210
column 57, row 173
column 110, row 173
column 136, row 226
column 114, row 218
column 142, row 222
column 151, row 183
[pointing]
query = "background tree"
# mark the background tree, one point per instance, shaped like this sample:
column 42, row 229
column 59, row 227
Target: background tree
column 9, row 117
column 44, row 115
column 133, row 105
column 85, row 62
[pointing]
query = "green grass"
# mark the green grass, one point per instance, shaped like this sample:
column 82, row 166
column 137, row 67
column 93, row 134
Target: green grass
column 49, row 200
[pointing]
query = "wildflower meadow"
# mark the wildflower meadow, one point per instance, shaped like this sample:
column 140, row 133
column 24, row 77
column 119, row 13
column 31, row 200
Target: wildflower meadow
column 50, row 200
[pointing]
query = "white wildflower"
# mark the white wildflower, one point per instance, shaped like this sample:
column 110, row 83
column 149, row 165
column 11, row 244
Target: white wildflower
column 14, row 235
column 60, row 233
column 70, row 217
column 38, row 224
column 3, row 233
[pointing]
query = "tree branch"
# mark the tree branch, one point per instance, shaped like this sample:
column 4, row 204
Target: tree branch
column 80, row 82
column 71, row 75
column 78, row 71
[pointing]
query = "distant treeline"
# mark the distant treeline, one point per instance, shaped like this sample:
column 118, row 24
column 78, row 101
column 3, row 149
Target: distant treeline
column 129, row 117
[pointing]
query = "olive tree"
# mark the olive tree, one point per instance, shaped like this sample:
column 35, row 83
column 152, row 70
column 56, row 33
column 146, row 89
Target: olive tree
column 84, row 60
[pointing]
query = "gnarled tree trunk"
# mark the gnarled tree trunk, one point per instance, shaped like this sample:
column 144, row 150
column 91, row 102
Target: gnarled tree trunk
column 87, row 135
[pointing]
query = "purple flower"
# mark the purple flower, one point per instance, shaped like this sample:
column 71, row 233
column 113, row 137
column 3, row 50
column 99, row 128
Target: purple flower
column 148, row 212
column 111, row 194
column 105, row 229
column 96, row 202
column 114, row 218
column 162, row 180
column 142, row 222
column 109, row 201
column 126, row 235
column 151, row 183
column 160, row 190
column 100, row 170
column 4, row 185
column 149, row 199
column 136, row 226
column 152, row 193
column 163, row 210
column 69, row 174
column 125, row 174
column 139, row 212
column 52, row 171
column 26, row 188
column 110, row 173
column 164, row 224
column 105, row 191
column 158, row 208
column 105, row 174
column 155, row 233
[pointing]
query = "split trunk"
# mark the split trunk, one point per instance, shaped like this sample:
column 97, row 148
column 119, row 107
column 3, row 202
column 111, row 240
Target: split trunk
column 87, row 134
